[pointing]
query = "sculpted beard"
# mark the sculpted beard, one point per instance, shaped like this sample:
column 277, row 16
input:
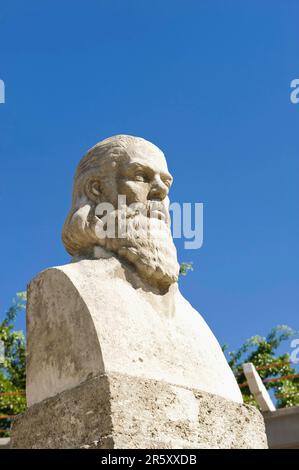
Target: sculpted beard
column 143, row 240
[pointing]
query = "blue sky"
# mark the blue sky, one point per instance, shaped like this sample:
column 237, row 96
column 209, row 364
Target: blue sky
column 208, row 82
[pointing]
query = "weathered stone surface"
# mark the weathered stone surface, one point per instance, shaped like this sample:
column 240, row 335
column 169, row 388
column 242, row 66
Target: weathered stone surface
column 121, row 411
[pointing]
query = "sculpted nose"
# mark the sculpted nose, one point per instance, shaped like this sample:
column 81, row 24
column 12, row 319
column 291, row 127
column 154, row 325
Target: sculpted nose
column 158, row 190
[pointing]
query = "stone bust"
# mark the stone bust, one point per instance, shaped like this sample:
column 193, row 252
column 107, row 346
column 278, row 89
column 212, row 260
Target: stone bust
column 137, row 170
column 116, row 356
column 117, row 307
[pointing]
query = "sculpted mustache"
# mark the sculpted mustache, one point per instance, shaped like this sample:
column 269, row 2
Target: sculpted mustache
column 151, row 207
column 148, row 209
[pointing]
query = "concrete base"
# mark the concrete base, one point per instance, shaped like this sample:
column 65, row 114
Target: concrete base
column 118, row 411
column 282, row 427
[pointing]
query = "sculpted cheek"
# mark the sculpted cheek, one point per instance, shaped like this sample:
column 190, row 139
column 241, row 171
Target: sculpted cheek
column 134, row 191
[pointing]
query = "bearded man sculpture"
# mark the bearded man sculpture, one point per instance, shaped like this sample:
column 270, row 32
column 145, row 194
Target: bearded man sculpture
column 137, row 170
column 117, row 358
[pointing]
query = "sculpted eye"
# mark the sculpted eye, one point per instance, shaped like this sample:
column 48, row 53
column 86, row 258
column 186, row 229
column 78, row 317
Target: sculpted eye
column 141, row 177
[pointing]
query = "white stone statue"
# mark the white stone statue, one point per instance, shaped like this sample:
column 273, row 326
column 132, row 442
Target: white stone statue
column 117, row 357
column 132, row 317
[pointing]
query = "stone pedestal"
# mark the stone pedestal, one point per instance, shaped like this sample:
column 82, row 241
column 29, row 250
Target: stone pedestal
column 117, row 411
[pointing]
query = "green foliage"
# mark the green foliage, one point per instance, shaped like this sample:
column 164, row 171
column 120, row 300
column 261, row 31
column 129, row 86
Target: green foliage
column 12, row 365
column 185, row 267
column 263, row 352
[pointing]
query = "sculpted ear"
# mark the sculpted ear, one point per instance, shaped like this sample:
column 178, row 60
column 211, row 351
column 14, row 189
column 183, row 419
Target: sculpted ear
column 93, row 189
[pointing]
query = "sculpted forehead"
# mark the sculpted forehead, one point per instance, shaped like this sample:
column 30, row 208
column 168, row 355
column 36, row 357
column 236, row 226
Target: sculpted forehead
column 147, row 154
column 118, row 153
